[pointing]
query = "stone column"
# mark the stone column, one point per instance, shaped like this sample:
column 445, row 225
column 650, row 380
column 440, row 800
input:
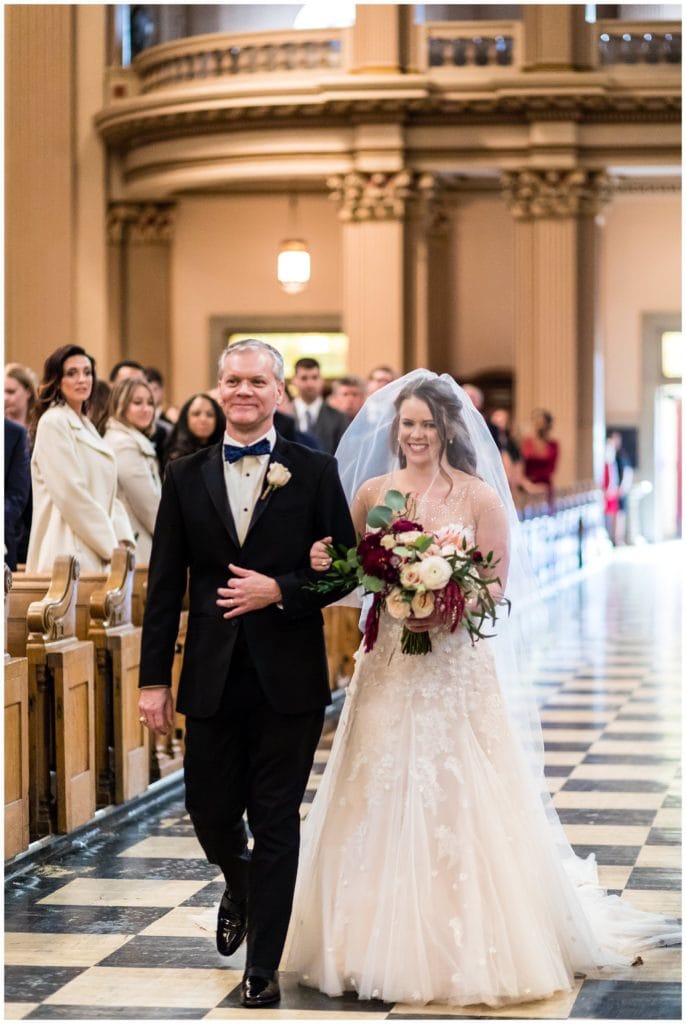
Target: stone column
column 140, row 236
column 556, row 37
column 381, row 39
column 386, row 220
column 558, row 358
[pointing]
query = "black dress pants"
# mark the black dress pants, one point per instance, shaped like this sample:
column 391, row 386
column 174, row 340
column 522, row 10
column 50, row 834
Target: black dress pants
column 247, row 757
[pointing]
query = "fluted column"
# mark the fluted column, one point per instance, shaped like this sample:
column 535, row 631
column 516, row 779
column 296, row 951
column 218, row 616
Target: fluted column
column 387, row 221
column 558, row 358
column 140, row 237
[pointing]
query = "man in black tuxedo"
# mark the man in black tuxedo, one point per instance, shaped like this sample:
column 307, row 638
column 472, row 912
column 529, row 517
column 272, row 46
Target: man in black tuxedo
column 254, row 682
column 313, row 414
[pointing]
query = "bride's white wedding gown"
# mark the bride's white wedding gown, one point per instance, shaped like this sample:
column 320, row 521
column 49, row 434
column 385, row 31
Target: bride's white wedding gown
column 428, row 869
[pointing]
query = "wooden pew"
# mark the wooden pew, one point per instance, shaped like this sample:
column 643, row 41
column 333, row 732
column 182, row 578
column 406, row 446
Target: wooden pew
column 140, row 591
column 121, row 742
column 61, row 709
column 342, row 637
column 16, row 746
column 167, row 752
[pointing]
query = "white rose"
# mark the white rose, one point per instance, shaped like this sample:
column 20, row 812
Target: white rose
column 397, row 607
column 422, row 605
column 409, row 537
column 448, row 549
column 278, row 475
column 435, row 572
column 388, row 541
column 409, row 575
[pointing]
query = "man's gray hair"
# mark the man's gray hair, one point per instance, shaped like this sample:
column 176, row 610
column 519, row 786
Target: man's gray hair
column 254, row 345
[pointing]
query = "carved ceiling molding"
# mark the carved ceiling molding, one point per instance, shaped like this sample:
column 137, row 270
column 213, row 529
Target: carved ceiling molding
column 535, row 194
column 140, row 223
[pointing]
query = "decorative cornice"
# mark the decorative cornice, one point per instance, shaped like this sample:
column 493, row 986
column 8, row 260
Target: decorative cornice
column 140, row 223
column 534, row 194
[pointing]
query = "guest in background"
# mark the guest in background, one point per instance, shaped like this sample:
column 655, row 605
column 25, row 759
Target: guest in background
column 201, row 423
column 75, row 506
column 129, row 432
column 348, row 395
column 21, row 391
column 313, row 414
column 17, row 486
column 21, row 385
column 617, row 481
column 499, row 425
column 162, row 426
column 379, row 377
column 126, row 368
column 99, row 405
column 540, row 452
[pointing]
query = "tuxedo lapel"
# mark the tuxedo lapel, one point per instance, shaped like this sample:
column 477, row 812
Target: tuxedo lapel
column 213, row 477
column 279, row 454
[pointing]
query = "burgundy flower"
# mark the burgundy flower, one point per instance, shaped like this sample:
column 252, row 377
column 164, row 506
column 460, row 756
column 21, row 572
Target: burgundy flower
column 477, row 556
column 376, row 560
column 405, row 525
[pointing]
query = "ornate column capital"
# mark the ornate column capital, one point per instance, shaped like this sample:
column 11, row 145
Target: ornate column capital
column 534, row 194
column 378, row 195
column 140, row 223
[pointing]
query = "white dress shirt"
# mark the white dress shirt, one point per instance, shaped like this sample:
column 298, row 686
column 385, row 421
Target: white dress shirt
column 301, row 409
column 245, row 482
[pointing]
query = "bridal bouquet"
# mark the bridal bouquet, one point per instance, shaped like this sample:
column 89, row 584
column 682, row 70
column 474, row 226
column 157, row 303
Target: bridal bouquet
column 415, row 572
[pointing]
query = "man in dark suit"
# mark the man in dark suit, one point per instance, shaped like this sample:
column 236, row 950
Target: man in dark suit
column 17, row 486
column 254, row 682
column 312, row 413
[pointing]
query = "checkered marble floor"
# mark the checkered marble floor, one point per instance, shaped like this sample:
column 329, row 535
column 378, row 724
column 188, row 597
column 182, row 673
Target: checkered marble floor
column 122, row 928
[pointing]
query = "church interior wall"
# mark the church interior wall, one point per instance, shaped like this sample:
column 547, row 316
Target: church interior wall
column 224, row 263
column 640, row 273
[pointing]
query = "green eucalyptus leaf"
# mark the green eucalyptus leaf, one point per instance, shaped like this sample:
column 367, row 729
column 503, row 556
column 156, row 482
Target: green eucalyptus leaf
column 379, row 516
column 395, row 500
column 372, row 583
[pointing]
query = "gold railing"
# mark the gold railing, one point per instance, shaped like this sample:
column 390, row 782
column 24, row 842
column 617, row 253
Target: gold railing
column 470, row 44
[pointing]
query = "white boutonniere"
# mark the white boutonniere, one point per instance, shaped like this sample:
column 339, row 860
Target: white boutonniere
column 277, row 476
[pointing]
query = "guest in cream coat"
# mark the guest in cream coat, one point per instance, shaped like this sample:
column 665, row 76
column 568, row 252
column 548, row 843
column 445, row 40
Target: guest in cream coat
column 129, row 431
column 75, row 506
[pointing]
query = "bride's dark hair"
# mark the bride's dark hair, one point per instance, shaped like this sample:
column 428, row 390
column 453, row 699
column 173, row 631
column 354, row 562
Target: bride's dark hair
column 446, row 413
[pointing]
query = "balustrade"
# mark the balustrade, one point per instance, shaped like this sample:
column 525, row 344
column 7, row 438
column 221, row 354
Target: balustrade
column 637, row 42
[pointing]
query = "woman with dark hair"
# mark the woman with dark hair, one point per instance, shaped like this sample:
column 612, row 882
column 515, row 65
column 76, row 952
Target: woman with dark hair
column 129, row 433
column 201, row 423
column 433, row 867
column 540, row 452
column 75, row 506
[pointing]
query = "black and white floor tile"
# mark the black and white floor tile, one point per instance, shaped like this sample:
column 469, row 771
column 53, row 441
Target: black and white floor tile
column 122, row 928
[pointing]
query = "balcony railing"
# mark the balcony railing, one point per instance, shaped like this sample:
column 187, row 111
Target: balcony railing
column 200, row 59
column 637, row 42
column 470, row 44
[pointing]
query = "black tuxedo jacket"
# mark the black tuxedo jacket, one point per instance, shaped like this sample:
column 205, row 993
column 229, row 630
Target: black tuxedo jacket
column 329, row 427
column 195, row 539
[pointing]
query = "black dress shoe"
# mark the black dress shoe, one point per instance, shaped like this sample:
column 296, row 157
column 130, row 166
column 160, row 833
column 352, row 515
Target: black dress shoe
column 231, row 925
column 259, row 991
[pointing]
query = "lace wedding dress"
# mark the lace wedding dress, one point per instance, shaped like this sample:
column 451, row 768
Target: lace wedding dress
column 429, row 870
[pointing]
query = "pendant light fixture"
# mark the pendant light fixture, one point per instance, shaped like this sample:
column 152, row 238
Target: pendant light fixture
column 293, row 261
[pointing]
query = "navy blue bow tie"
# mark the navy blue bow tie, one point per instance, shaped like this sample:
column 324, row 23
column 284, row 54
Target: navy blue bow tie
column 234, row 452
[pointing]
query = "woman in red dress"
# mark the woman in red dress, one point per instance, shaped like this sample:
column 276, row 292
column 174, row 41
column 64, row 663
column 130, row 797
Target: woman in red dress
column 540, row 452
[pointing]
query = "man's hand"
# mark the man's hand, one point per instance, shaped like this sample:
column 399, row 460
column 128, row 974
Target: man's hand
column 247, row 591
column 156, row 708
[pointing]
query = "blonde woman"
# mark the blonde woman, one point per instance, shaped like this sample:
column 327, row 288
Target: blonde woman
column 129, row 431
column 75, row 506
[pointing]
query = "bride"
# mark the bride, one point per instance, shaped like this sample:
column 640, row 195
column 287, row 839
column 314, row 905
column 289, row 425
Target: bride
column 433, row 867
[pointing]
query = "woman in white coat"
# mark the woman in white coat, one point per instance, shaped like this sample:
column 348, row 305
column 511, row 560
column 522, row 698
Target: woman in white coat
column 129, row 428
column 75, row 506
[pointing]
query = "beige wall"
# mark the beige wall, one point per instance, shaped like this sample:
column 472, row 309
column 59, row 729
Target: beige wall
column 640, row 273
column 224, row 264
